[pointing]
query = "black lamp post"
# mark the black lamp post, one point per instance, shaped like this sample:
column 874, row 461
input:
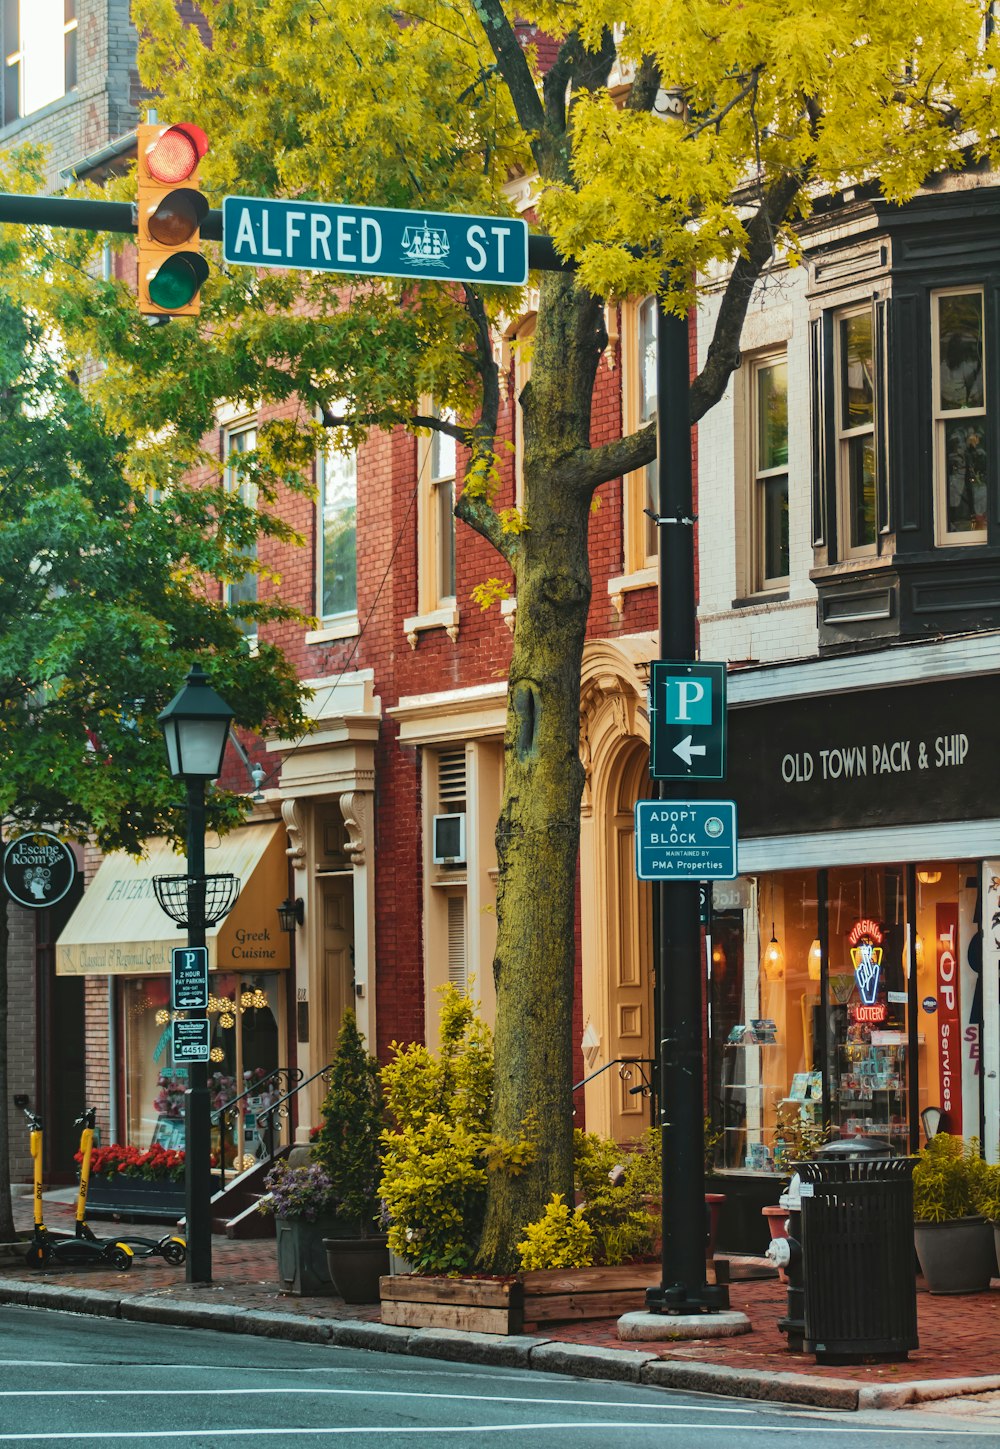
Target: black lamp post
column 195, row 727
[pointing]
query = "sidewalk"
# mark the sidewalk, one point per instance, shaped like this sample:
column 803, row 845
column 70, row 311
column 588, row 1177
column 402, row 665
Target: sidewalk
column 959, row 1353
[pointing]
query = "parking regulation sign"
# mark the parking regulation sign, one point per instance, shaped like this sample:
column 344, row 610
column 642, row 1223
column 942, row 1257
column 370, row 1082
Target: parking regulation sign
column 191, row 1040
column 685, row 840
column 189, row 978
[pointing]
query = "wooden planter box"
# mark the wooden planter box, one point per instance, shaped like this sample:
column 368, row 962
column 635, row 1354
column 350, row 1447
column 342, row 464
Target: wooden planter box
column 518, row 1304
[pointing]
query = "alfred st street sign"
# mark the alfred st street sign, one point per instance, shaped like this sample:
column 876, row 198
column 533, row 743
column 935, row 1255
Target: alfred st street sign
column 687, row 713
column 379, row 241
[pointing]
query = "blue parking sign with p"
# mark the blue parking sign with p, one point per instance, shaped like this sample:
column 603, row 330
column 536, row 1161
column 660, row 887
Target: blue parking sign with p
column 688, row 699
column 687, row 717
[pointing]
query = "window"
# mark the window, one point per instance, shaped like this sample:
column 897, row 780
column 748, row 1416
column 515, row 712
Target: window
column 769, row 475
column 639, row 408
column 856, row 434
column 959, row 410
column 336, row 549
column 441, row 464
column 522, row 346
column 239, row 442
column 40, row 54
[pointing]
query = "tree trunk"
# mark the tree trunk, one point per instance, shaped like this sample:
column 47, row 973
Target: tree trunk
column 539, row 828
column 6, row 1209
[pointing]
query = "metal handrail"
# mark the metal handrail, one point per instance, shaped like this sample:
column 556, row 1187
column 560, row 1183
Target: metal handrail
column 645, row 1087
column 221, row 1114
column 265, row 1119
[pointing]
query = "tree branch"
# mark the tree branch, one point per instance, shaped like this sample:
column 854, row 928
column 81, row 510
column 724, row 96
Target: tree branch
column 588, row 468
column 645, row 86
column 724, row 350
column 513, row 65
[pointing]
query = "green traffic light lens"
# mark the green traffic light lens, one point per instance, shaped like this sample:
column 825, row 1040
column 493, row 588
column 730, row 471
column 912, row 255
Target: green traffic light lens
column 176, row 283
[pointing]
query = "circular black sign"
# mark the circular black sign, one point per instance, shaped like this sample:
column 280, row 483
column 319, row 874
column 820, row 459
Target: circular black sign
column 38, row 870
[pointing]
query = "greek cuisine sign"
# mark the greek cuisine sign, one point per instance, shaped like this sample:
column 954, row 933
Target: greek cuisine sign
column 867, row 758
column 38, row 870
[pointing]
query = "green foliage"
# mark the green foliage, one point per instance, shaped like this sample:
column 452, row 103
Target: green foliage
column 348, row 1145
column 951, row 1180
column 562, row 1238
column 491, row 591
column 797, row 1138
column 441, row 1149
column 613, row 1182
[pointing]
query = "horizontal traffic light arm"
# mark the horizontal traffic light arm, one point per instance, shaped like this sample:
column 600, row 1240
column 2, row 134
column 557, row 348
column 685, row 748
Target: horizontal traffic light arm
column 120, row 216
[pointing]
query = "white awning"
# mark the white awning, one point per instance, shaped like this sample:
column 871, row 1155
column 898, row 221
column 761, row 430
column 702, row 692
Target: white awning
column 119, row 930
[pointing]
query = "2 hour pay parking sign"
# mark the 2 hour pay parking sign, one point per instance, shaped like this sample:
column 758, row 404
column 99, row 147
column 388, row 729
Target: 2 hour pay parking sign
column 685, row 840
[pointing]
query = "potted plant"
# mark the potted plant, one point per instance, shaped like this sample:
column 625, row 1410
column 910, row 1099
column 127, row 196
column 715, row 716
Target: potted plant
column 952, row 1188
column 304, row 1205
column 348, row 1149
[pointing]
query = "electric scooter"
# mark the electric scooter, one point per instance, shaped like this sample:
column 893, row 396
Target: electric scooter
column 81, row 1249
column 171, row 1247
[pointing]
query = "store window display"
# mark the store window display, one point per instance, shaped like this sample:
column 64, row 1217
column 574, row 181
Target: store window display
column 244, row 1013
column 844, row 1002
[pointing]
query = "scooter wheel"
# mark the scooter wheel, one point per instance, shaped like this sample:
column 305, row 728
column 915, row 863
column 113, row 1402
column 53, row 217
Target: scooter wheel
column 174, row 1253
column 38, row 1255
column 120, row 1259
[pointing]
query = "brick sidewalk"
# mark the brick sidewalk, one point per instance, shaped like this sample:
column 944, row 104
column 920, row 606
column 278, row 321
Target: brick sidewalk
column 959, row 1336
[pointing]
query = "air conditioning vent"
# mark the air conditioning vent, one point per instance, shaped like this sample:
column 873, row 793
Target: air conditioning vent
column 449, row 839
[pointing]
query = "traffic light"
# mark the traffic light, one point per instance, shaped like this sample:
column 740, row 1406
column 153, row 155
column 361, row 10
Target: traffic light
column 170, row 212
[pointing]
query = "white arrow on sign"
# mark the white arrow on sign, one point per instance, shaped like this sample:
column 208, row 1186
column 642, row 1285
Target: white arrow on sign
column 686, row 750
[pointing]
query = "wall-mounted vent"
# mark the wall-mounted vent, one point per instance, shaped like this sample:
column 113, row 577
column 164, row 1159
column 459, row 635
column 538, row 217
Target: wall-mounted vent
column 449, row 839
column 458, row 974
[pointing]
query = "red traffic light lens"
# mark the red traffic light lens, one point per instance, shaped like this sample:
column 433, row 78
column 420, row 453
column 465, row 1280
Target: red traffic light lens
column 177, row 217
column 176, row 154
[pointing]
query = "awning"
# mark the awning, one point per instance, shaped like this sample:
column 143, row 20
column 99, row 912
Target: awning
column 119, row 930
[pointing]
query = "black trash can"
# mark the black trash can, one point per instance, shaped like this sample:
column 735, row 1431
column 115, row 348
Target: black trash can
column 860, row 1294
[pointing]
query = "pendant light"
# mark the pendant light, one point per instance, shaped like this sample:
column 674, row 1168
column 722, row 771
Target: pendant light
column 814, row 961
column 774, row 959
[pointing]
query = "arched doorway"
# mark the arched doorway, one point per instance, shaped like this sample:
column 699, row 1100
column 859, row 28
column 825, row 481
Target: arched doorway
column 617, row 974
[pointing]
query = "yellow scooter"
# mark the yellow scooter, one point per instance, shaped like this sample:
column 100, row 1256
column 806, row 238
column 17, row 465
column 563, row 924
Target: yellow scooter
column 171, row 1247
column 82, row 1248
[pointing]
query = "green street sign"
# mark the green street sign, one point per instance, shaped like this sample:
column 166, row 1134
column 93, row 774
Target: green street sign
column 687, row 717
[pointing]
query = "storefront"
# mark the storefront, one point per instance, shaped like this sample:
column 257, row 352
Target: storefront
column 118, row 930
column 852, row 985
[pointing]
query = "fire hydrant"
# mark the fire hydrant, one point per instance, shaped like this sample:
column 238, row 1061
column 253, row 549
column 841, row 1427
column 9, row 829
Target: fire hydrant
column 786, row 1253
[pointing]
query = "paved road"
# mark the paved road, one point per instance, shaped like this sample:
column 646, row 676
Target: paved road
column 70, row 1380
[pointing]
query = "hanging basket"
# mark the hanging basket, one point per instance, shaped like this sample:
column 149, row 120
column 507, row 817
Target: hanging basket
column 173, row 893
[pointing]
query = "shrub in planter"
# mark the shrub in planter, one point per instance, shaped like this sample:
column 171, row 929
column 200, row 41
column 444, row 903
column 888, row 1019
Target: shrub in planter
column 304, row 1206
column 562, row 1238
column 615, row 1186
column 347, row 1145
column 155, row 1164
column 440, row 1149
column 952, row 1188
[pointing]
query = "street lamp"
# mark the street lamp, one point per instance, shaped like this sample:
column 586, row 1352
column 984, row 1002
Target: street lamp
column 195, row 728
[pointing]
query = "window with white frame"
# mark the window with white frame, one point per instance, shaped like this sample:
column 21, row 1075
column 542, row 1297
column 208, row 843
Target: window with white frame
column 639, row 408
column 336, row 534
column 39, row 54
column 238, row 441
column 855, row 430
column 958, row 367
column 768, row 438
column 436, row 461
column 522, row 347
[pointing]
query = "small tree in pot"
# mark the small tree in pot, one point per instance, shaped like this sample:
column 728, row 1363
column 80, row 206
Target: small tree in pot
column 349, row 1150
column 951, row 1191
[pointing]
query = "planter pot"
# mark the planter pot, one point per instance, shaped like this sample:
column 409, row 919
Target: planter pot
column 136, row 1198
column 957, row 1256
column 516, row 1304
column 302, row 1264
column 355, row 1266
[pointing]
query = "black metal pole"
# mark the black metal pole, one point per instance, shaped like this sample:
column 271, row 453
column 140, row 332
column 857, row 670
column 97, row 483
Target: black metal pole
column 197, row 1115
column 678, row 949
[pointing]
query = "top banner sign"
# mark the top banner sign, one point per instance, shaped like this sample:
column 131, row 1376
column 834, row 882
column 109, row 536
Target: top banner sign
column 313, row 236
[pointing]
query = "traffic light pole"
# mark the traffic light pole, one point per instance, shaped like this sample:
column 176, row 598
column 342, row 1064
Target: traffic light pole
column 677, row 949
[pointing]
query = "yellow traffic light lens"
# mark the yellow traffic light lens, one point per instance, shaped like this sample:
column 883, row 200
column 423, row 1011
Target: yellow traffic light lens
column 177, row 281
column 177, row 217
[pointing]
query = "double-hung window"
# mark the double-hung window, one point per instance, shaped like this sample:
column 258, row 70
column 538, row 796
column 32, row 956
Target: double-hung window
column 336, row 550
column 39, row 54
column 639, row 408
column 958, row 368
column 769, row 565
column 238, row 442
column 855, row 433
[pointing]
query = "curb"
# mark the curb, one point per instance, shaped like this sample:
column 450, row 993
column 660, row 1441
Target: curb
column 497, row 1350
